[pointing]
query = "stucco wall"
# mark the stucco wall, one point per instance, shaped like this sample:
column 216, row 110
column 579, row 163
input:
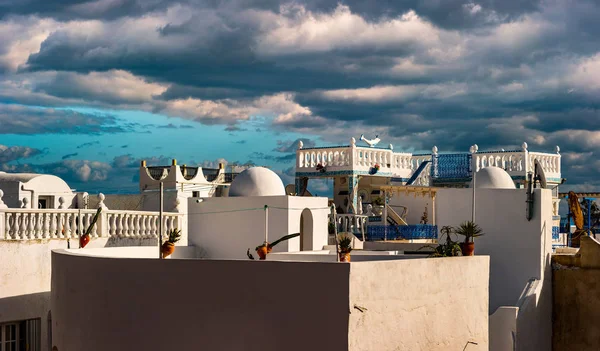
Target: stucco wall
column 25, row 277
column 419, row 304
column 576, row 287
column 131, row 303
column 149, row 304
column 576, row 309
column 519, row 250
column 223, row 227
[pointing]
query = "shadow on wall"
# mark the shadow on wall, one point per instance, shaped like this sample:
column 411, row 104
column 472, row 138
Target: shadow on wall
column 27, row 307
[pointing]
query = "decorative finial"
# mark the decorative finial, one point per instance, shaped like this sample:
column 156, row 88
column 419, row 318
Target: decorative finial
column 101, row 204
column 557, row 149
column 524, row 146
column 352, row 141
column 502, row 149
column 2, row 204
column 476, row 147
column 300, row 144
column 472, row 149
column 177, row 205
column 61, row 202
column 391, row 147
column 434, row 150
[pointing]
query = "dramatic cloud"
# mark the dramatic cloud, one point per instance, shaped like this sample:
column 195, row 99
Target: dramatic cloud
column 18, row 119
column 418, row 73
column 12, row 153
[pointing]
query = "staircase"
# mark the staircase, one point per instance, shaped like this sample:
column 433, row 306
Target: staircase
column 418, row 172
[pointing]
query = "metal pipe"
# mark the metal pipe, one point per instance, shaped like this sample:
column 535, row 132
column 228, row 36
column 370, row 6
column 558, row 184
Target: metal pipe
column 266, row 224
column 32, row 195
column 160, row 219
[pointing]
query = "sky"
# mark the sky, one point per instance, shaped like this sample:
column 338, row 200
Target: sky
column 90, row 88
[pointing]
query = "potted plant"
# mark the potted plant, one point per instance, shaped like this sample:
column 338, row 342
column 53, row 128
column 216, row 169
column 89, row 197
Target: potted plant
column 470, row 230
column 448, row 248
column 321, row 168
column 168, row 247
column 266, row 248
column 345, row 246
column 374, row 169
column 85, row 238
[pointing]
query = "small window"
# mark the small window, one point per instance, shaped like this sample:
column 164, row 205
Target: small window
column 195, row 194
column 23, row 335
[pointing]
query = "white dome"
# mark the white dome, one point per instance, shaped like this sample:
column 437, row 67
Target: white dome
column 257, row 181
column 493, row 178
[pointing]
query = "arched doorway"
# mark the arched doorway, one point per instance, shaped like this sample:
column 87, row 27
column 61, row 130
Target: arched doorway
column 306, row 230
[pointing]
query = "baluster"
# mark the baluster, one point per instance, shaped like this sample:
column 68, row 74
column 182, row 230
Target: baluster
column 110, row 219
column 137, row 231
column 143, row 219
column 10, row 218
column 66, row 225
column 52, row 227
column 37, row 224
column 126, row 221
column 29, row 226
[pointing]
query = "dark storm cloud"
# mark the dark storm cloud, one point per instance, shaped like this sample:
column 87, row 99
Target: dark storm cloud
column 450, row 73
column 16, row 119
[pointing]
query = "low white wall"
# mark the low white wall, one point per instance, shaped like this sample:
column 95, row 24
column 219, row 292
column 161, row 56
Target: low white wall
column 151, row 304
column 25, row 276
column 224, row 227
column 419, row 304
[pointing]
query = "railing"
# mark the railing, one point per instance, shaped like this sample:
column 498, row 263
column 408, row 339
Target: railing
column 401, row 232
column 451, row 166
column 519, row 163
column 349, row 158
column 355, row 224
column 443, row 166
column 30, row 224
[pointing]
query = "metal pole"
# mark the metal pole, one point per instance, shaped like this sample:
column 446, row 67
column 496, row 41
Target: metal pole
column 589, row 203
column 474, row 182
column 266, row 224
column 335, row 233
column 160, row 220
column 79, row 226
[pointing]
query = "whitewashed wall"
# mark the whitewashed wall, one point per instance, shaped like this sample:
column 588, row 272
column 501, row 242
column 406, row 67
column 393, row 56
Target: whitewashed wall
column 250, row 305
column 220, row 230
column 519, row 249
column 416, row 206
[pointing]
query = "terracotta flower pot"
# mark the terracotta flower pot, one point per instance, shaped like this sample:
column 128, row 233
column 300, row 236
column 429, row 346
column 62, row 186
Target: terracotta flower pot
column 262, row 252
column 167, row 249
column 84, row 240
column 468, row 249
column 344, row 256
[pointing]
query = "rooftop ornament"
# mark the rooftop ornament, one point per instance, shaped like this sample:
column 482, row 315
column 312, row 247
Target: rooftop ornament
column 371, row 142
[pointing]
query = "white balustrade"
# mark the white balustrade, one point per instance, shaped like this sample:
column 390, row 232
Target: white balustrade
column 355, row 224
column 31, row 224
column 353, row 158
column 518, row 162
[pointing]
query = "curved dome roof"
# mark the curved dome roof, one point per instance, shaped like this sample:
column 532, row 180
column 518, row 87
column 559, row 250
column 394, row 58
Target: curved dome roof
column 493, row 178
column 257, row 181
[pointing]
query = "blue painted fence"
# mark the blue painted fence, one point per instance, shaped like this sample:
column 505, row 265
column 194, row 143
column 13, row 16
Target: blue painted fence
column 555, row 232
column 401, row 232
column 451, row 166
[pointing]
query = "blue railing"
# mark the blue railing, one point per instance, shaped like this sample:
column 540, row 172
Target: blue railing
column 417, row 173
column 401, row 232
column 451, row 166
column 555, row 232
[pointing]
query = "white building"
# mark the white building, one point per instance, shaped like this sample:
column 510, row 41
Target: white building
column 30, row 190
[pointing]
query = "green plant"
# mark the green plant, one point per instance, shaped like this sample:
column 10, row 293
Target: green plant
column 174, row 235
column 331, row 228
column 470, row 230
column 344, row 243
column 378, row 201
column 449, row 248
column 89, row 229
